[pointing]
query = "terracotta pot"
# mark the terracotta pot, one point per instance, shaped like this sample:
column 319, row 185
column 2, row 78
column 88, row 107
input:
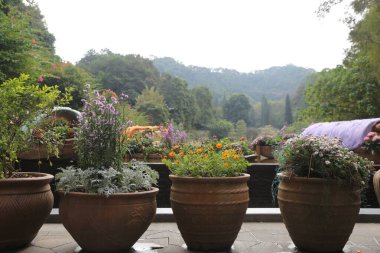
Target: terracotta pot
column 319, row 214
column 107, row 224
column 39, row 152
column 25, row 203
column 266, row 151
column 209, row 211
column 250, row 158
column 376, row 185
column 375, row 157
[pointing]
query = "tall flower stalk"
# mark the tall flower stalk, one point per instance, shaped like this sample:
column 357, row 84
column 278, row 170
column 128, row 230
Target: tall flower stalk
column 99, row 132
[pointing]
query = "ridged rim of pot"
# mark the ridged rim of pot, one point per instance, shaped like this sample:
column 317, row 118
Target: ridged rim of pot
column 37, row 176
column 154, row 190
column 310, row 180
column 244, row 177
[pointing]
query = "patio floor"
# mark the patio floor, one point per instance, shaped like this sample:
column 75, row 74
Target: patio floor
column 164, row 237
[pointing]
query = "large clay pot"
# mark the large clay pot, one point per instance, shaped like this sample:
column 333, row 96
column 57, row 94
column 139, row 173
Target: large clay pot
column 25, row 203
column 372, row 156
column 319, row 214
column 376, row 185
column 107, row 224
column 209, row 211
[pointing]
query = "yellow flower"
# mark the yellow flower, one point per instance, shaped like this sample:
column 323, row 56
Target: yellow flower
column 191, row 152
column 211, row 148
column 177, row 161
column 225, row 153
column 219, row 145
column 172, row 154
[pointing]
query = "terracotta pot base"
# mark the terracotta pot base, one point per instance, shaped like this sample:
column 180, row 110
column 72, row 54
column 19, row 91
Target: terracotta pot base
column 25, row 203
column 107, row 224
column 209, row 211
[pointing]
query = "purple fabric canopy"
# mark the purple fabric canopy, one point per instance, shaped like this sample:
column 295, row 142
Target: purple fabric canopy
column 350, row 132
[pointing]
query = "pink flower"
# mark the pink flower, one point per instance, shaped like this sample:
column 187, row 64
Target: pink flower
column 371, row 134
column 53, row 65
column 40, row 78
column 376, row 138
column 366, row 138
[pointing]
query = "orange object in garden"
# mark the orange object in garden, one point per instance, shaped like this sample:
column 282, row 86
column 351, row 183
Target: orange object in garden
column 131, row 130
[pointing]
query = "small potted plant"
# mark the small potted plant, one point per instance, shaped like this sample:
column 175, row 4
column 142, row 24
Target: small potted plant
column 319, row 191
column 105, row 205
column 371, row 147
column 265, row 145
column 209, row 195
column 26, row 198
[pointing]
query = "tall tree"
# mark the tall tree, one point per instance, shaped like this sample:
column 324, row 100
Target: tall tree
column 265, row 111
column 203, row 101
column 179, row 100
column 128, row 74
column 152, row 104
column 288, row 111
column 237, row 108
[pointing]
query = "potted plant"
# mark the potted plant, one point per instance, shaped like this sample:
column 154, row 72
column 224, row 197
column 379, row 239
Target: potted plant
column 265, row 145
column 26, row 198
column 55, row 130
column 105, row 205
column 371, row 147
column 209, row 195
column 319, row 191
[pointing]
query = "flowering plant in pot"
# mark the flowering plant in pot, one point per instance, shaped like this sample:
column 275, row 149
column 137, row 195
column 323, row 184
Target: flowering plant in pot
column 103, row 186
column 26, row 198
column 265, row 145
column 318, row 176
column 209, row 194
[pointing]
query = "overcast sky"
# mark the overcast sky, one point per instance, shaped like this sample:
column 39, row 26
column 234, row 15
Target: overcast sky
column 245, row 35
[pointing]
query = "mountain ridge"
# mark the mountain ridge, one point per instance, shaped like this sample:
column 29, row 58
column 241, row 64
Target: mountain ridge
column 273, row 83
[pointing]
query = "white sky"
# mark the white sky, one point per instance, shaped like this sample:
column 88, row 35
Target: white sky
column 245, row 35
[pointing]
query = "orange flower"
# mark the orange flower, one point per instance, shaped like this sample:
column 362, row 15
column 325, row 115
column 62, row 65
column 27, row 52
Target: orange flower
column 165, row 157
column 199, row 150
column 224, row 158
column 176, row 147
column 172, row 154
column 211, row 148
column 236, row 157
column 181, row 153
column 219, row 145
column 225, row 153
column 191, row 152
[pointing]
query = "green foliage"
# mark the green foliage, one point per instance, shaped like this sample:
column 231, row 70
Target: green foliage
column 288, row 111
column 265, row 111
column 322, row 157
column 179, row 99
column 21, row 104
column 128, row 74
column 66, row 75
column 14, row 46
column 220, row 128
column 134, row 176
column 206, row 161
column 152, row 104
column 343, row 93
column 240, row 131
column 204, row 110
column 237, row 108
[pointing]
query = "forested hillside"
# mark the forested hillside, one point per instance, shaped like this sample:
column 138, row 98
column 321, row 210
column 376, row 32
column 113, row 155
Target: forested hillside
column 274, row 83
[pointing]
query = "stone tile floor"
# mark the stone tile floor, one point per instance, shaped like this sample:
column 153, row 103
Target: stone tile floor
column 165, row 238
